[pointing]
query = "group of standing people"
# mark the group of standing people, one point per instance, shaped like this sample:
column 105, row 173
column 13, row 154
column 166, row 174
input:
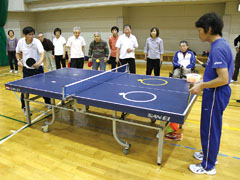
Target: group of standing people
column 122, row 48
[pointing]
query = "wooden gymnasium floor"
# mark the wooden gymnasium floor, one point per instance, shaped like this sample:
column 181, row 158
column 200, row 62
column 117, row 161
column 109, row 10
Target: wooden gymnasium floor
column 80, row 147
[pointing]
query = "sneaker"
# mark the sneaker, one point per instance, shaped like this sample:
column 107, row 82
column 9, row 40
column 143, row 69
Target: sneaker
column 198, row 169
column 11, row 71
column 233, row 81
column 174, row 136
column 199, row 156
column 15, row 72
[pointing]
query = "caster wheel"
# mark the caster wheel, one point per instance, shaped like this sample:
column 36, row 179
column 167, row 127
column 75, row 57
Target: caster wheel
column 45, row 128
column 153, row 120
column 125, row 151
column 159, row 164
column 87, row 107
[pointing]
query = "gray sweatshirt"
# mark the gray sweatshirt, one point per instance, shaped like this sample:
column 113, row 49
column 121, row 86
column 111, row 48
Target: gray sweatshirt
column 11, row 44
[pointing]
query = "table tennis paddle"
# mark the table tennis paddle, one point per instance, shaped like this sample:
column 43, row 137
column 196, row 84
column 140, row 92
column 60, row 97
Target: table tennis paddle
column 30, row 62
column 89, row 64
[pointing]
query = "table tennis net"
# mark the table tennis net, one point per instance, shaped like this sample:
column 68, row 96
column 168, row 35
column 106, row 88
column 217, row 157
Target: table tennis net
column 82, row 85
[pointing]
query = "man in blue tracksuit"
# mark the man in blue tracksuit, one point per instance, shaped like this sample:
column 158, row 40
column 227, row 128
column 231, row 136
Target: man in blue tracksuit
column 183, row 60
column 216, row 91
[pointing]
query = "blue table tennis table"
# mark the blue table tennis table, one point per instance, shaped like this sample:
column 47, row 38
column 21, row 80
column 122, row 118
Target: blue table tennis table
column 157, row 98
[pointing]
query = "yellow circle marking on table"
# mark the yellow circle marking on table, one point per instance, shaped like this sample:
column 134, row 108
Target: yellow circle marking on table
column 142, row 81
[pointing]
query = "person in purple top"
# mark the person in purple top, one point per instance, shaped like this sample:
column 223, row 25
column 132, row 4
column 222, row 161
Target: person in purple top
column 153, row 51
column 11, row 51
column 216, row 91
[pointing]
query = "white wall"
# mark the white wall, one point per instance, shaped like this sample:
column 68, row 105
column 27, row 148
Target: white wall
column 18, row 20
column 176, row 22
column 89, row 19
column 16, row 5
column 232, row 22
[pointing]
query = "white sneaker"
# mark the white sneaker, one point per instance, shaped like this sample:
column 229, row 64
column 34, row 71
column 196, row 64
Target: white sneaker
column 233, row 81
column 198, row 169
column 15, row 72
column 11, row 71
column 199, row 156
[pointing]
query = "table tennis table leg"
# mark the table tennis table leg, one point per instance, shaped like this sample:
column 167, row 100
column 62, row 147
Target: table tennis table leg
column 45, row 127
column 27, row 106
column 125, row 145
column 160, row 142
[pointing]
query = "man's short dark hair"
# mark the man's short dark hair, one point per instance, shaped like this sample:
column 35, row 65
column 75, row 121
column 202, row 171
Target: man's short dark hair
column 157, row 30
column 28, row 30
column 10, row 31
column 127, row 25
column 115, row 28
column 57, row 30
column 184, row 42
column 212, row 20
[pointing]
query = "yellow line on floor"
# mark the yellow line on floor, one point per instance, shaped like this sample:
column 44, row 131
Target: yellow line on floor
column 224, row 127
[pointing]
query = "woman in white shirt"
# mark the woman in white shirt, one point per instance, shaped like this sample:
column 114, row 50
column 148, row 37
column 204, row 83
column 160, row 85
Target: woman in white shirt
column 59, row 43
column 76, row 49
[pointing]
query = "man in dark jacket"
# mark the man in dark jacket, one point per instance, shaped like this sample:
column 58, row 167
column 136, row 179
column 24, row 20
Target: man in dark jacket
column 237, row 60
column 48, row 55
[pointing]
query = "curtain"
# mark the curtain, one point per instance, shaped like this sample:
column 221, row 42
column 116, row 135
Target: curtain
column 3, row 38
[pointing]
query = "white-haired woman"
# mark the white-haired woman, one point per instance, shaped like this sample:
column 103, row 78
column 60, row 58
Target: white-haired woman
column 76, row 49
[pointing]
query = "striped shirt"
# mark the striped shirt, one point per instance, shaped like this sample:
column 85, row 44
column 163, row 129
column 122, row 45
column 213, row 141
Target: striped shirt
column 98, row 50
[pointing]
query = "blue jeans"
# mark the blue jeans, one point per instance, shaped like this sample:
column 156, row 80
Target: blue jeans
column 101, row 64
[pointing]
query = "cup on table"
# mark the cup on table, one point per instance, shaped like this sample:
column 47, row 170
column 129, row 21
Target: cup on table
column 193, row 77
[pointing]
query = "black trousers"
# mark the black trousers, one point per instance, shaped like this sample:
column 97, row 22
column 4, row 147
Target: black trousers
column 30, row 72
column 11, row 57
column 59, row 60
column 153, row 64
column 236, row 67
column 112, row 61
column 77, row 63
column 131, row 63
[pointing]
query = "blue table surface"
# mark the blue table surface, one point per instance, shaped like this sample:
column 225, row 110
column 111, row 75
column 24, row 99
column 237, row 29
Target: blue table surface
column 171, row 94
